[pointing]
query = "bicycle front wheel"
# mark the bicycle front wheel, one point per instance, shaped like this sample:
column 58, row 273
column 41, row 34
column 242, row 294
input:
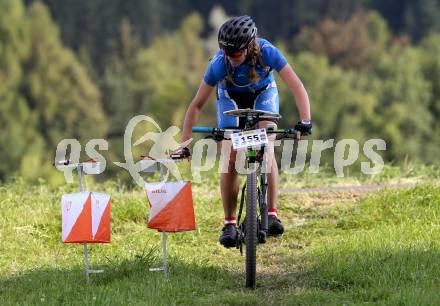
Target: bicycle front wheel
column 251, row 229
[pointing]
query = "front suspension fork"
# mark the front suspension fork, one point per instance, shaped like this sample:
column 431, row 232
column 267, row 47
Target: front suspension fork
column 263, row 203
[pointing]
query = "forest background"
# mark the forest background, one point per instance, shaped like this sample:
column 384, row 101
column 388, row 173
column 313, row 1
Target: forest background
column 82, row 69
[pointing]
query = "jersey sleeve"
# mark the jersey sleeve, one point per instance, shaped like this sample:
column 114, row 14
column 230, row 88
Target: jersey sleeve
column 272, row 56
column 216, row 71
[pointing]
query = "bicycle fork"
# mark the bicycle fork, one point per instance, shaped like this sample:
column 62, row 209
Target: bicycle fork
column 263, row 203
column 253, row 161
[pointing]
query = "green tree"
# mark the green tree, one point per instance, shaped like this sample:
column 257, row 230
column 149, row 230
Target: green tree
column 58, row 87
column 158, row 81
column 122, row 91
column 172, row 69
column 356, row 43
column 93, row 24
column 340, row 106
column 403, row 109
column 18, row 125
column 392, row 102
column 430, row 62
column 47, row 95
column 422, row 17
column 416, row 18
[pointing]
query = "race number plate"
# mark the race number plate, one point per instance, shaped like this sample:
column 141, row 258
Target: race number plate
column 246, row 139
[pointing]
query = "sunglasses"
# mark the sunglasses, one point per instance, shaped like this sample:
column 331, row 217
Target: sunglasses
column 233, row 54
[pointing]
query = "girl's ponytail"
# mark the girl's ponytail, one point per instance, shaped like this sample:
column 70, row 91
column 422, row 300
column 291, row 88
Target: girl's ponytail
column 254, row 54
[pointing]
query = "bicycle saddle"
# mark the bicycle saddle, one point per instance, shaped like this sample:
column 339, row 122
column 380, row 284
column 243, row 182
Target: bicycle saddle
column 253, row 113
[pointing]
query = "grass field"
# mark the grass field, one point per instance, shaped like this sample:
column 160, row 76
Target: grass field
column 338, row 249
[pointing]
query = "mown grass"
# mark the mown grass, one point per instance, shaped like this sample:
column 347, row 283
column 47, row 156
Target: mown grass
column 410, row 172
column 337, row 249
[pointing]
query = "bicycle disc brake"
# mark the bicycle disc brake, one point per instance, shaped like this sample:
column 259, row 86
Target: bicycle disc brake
column 240, row 238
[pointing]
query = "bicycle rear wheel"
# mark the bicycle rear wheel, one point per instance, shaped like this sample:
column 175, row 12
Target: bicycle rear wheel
column 251, row 229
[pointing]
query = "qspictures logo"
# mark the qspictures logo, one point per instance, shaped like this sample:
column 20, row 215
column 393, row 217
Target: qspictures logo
column 207, row 153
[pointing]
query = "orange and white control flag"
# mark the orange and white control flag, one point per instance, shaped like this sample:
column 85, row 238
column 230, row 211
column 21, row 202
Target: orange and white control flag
column 86, row 217
column 171, row 206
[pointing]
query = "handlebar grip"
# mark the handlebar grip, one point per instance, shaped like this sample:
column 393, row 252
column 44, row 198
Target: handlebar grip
column 202, row 129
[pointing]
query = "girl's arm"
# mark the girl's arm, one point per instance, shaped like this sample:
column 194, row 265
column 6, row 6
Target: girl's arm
column 297, row 88
column 194, row 108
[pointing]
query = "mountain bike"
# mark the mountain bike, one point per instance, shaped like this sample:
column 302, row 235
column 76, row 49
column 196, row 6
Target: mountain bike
column 253, row 229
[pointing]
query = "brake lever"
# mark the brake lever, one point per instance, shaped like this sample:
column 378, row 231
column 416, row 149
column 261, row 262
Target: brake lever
column 286, row 136
column 283, row 136
column 279, row 136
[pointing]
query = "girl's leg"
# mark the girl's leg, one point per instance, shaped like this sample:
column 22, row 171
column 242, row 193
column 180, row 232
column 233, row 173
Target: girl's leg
column 268, row 100
column 229, row 180
column 272, row 173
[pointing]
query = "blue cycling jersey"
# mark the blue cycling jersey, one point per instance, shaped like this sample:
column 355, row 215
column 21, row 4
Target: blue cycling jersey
column 217, row 69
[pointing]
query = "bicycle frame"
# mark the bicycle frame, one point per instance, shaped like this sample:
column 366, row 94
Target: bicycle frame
column 255, row 161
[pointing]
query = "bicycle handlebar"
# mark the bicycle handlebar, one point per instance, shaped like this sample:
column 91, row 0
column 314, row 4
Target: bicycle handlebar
column 221, row 133
column 203, row 129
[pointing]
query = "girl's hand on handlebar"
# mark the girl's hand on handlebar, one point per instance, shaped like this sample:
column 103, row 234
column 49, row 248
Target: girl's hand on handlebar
column 304, row 127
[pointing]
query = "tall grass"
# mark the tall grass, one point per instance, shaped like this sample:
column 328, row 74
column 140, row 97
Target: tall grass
column 337, row 249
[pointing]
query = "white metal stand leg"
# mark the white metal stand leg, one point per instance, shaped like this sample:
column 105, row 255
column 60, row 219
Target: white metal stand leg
column 164, row 257
column 164, row 239
column 86, row 257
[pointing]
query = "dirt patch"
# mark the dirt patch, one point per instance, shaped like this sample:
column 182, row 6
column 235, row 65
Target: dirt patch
column 353, row 189
column 319, row 200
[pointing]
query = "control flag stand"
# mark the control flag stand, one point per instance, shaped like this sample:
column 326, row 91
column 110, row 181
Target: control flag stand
column 84, row 215
column 152, row 167
column 167, row 195
column 79, row 169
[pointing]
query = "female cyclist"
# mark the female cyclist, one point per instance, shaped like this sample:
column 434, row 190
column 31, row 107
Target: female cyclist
column 242, row 71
